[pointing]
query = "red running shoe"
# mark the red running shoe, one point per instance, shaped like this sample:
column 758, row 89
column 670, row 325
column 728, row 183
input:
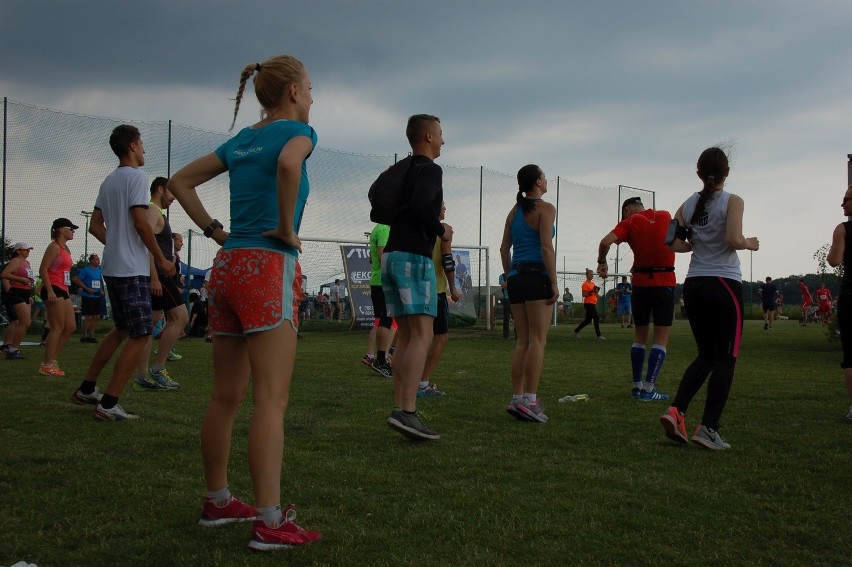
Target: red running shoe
column 234, row 511
column 674, row 424
column 285, row 536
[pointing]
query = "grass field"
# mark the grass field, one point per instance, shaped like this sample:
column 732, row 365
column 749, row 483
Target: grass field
column 599, row 484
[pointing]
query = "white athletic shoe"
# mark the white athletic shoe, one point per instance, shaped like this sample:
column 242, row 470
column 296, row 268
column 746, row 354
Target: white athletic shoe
column 710, row 438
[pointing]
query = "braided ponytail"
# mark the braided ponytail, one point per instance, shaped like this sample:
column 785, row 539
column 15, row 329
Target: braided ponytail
column 244, row 77
column 279, row 72
column 712, row 169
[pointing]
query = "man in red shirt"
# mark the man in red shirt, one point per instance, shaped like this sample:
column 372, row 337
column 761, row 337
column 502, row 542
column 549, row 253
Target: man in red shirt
column 644, row 230
column 824, row 301
column 807, row 301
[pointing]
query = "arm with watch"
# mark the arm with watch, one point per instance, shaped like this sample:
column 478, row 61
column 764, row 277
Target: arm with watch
column 603, row 249
column 183, row 186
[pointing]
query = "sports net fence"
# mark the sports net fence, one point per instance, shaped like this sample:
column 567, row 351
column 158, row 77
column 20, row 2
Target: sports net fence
column 54, row 162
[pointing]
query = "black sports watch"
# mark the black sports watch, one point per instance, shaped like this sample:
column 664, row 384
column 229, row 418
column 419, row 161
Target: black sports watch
column 211, row 228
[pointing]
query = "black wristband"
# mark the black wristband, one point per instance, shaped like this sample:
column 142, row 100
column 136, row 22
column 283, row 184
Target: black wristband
column 601, row 261
column 211, row 228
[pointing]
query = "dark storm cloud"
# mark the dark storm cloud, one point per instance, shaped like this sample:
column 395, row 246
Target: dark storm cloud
column 601, row 92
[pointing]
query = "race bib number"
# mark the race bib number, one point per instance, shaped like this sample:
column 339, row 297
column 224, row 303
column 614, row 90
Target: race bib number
column 31, row 274
column 96, row 285
column 67, row 278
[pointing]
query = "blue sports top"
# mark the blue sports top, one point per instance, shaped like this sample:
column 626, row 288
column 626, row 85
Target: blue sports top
column 91, row 277
column 526, row 243
column 251, row 158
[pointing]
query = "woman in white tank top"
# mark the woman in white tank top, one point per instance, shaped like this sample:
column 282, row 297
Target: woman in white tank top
column 713, row 296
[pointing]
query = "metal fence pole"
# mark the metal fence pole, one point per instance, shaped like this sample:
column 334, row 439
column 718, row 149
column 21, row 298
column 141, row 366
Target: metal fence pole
column 3, row 214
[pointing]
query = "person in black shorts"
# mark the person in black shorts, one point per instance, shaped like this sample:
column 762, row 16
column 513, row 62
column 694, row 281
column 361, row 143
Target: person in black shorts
column 769, row 299
column 166, row 297
column 89, row 280
column 442, row 260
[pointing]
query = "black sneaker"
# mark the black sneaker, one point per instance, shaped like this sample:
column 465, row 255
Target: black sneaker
column 411, row 426
column 14, row 354
column 383, row 369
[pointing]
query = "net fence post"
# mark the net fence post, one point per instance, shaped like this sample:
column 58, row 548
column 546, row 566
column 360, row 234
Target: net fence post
column 3, row 220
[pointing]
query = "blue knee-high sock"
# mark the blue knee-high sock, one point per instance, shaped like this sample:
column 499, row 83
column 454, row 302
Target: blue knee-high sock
column 655, row 363
column 637, row 361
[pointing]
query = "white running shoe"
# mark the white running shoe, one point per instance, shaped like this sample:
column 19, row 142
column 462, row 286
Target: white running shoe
column 710, row 438
column 115, row 413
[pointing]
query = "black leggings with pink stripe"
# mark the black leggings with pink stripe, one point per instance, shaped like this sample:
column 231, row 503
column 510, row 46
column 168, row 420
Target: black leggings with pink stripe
column 715, row 309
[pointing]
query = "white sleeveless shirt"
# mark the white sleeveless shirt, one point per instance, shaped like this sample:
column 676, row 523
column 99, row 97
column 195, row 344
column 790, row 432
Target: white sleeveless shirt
column 711, row 253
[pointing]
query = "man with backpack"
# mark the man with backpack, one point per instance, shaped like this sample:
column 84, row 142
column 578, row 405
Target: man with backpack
column 408, row 275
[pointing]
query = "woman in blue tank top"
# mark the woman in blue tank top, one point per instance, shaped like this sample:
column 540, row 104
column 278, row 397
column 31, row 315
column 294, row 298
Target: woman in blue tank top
column 529, row 264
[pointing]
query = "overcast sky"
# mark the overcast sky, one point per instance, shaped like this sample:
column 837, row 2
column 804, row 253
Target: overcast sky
column 600, row 93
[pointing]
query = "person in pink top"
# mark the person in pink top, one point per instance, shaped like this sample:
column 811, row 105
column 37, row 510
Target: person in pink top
column 18, row 279
column 55, row 273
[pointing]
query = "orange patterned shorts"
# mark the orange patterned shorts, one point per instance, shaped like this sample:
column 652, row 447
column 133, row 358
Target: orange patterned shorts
column 253, row 290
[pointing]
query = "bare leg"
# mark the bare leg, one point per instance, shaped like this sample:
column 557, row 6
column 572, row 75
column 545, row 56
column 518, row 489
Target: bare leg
column 271, row 377
column 230, row 380
column 415, row 336
column 519, row 356
column 124, row 365
column 176, row 320
column 436, row 349
column 538, row 317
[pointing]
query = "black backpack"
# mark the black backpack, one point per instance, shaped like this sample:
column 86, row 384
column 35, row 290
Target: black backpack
column 386, row 192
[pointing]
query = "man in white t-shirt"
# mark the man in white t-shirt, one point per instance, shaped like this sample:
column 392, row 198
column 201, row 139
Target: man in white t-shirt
column 120, row 222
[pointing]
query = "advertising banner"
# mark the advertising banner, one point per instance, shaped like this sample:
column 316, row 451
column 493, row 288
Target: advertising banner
column 356, row 264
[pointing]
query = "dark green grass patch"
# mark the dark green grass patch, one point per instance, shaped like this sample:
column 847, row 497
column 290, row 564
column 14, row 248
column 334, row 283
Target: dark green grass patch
column 599, row 484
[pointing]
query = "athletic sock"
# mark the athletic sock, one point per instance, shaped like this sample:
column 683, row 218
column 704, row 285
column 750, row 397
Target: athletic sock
column 87, row 386
column 381, row 357
column 108, row 402
column 271, row 516
column 655, row 363
column 531, row 397
column 156, row 368
column 424, row 384
column 219, row 497
column 517, row 397
column 637, row 362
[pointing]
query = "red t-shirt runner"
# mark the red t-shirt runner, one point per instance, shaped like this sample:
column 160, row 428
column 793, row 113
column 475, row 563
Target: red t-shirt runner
column 645, row 232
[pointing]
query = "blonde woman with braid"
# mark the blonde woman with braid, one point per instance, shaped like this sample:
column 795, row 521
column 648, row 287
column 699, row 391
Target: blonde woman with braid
column 255, row 289
column 710, row 226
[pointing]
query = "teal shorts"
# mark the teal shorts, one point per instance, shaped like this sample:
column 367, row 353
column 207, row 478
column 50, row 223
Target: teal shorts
column 408, row 281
